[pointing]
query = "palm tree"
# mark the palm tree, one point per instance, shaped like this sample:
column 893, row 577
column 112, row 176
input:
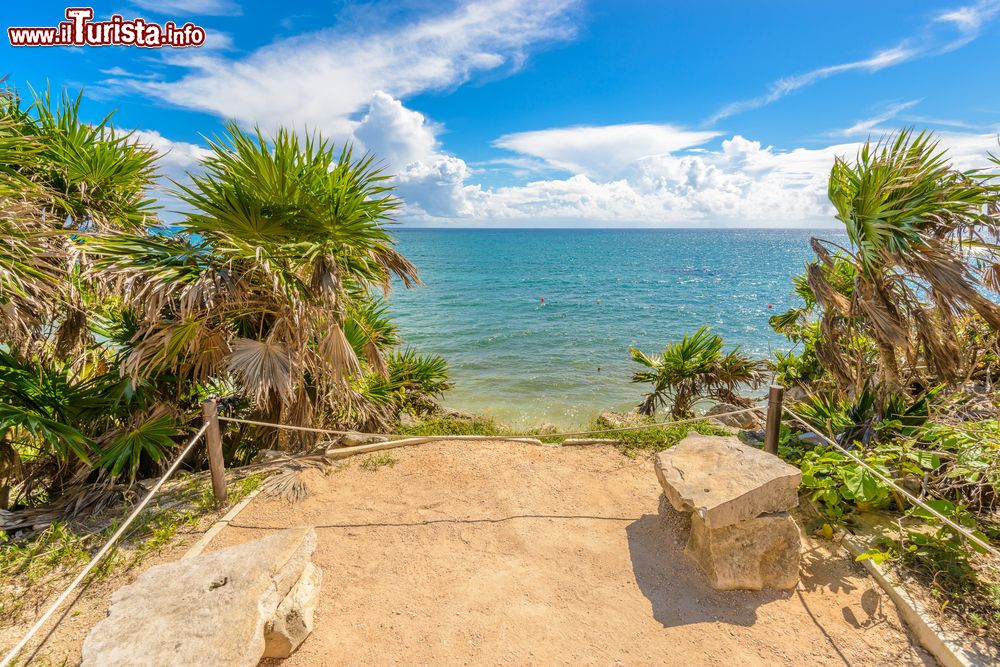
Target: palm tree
column 695, row 368
column 923, row 248
column 269, row 280
column 63, row 406
column 60, row 176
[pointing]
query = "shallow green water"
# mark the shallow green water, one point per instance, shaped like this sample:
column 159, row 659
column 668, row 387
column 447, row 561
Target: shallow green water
column 564, row 359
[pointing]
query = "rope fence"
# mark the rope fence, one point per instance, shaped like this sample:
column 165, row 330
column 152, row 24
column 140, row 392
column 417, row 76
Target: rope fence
column 494, row 437
column 210, row 427
column 13, row 653
column 966, row 533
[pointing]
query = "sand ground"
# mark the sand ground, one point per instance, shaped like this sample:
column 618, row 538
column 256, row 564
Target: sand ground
column 502, row 553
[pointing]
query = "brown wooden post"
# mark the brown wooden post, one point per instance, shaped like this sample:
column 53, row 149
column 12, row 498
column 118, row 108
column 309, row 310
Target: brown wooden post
column 772, row 427
column 213, row 438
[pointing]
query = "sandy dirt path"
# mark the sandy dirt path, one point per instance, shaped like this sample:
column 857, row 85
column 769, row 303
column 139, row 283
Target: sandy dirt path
column 500, row 553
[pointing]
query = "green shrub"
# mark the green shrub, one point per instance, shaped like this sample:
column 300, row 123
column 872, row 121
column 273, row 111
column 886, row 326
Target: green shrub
column 653, row 439
column 447, row 425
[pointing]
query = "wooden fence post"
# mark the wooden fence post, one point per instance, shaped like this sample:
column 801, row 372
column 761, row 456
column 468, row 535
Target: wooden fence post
column 773, row 425
column 213, row 439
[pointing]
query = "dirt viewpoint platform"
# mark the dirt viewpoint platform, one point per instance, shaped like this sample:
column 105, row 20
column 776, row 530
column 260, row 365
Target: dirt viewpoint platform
column 498, row 553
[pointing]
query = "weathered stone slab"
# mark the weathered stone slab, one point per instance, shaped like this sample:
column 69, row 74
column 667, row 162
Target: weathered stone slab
column 208, row 610
column 744, row 420
column 752, row 555
column 293, row 619
column 723, row 481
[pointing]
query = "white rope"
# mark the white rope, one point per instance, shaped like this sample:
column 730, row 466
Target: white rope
column 493, row 437
column 9, row 658
column 913, row 499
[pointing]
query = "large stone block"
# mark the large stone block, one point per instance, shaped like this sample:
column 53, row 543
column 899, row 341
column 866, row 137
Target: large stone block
column 744, row 420
column 723, row 481
column 293, row 619
column 208, row 610
column 751, row 555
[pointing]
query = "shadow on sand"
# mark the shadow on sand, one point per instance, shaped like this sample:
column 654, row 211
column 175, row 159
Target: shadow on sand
column 672, row 582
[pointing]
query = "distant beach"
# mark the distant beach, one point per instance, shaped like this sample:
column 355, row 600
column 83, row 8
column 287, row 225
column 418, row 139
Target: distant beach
column 536, row 324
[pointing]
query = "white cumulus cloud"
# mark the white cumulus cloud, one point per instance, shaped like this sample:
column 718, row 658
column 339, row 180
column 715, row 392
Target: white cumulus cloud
column 739, row 183
column 323, row 79
column 602, row 151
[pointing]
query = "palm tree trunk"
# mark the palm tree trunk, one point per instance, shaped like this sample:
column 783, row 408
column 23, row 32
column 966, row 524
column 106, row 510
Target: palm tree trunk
column 682, row 403
column 648, row 405
column 890, row 367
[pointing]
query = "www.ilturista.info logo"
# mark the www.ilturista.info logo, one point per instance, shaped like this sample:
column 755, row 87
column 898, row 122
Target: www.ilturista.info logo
column 79, row 29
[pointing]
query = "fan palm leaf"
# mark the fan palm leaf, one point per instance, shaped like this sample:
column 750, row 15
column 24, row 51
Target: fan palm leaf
column 922, row 239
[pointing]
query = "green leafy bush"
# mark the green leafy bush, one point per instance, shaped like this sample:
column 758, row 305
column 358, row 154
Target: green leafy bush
column 653, row 439
column 446, row 425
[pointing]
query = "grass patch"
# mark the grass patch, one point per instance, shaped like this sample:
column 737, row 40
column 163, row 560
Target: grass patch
column 631, row 442
column 456, row 426
column 654, row 439
column 236, row 490
column 34, row 567
column 376, row 461
column 54, row 548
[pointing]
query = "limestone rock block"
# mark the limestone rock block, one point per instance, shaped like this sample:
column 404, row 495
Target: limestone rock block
column 745, row 420
column 208, row 610
column 293, row 619
column 723, row 481
column 751, row 555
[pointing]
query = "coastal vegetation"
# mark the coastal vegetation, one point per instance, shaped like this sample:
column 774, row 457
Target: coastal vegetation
column 114, row 326
column 895, row 355
column 269, row 291
column 695, row 368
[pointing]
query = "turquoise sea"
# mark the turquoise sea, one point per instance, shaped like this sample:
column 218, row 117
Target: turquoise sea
column 536, row 324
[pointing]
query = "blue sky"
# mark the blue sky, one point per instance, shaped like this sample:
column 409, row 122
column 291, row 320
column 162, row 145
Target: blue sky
column 556, row 112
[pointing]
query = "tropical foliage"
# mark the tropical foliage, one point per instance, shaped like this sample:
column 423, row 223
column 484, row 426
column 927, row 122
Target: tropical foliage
column 896, row 349
column 114, row 326
column 923, row 255
column 695, row 367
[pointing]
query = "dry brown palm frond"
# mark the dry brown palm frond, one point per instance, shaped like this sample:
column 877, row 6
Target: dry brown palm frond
column 293, row 480
column 873, row 302
column 991, row 277
column 293, row 326
column 394, row 263
column 337, row 353
column 76, row 500
column 11, row 470
column 822, row 253
column 941, row 352
column 356, row 409
column 825, row 294
column 375, row 359
column 207, row 291
column 194, row 346
column 32, row 265
column 325, row 279
column 263, row 368
column 300, row 412
column 208, row 358
column 72, row 333
column 953, row 283
column 829, row 352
